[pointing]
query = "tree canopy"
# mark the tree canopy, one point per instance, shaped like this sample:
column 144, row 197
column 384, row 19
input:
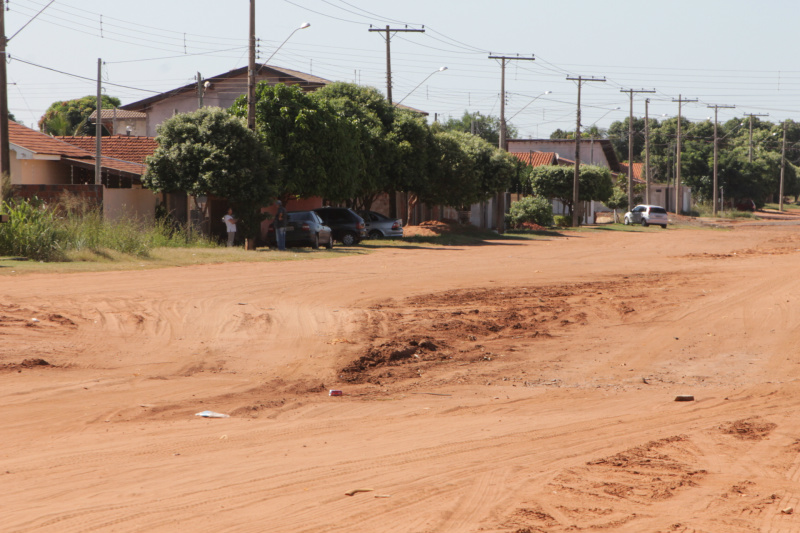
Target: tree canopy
column 556, row 181
column 209, row 152
column 486, row 127
column 71, row 117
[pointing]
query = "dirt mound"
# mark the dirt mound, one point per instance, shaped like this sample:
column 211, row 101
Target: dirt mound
column 748, row 429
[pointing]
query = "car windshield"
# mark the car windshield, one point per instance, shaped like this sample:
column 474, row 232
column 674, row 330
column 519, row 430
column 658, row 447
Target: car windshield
column 299, row 217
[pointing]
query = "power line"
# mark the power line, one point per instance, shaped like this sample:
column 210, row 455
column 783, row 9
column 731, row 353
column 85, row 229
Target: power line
column 79, row 76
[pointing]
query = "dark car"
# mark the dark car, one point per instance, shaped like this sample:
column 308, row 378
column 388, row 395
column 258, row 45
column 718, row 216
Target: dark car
column 746, row 204
column 380, row 226
column 347, row 227
column 304, row 228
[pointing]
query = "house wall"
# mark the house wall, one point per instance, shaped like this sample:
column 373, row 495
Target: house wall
column 52, row 193
column 39, row 172
column 120, row 126
column 591, row 151
column 129, row 203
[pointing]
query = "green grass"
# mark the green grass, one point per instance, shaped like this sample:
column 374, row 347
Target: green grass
column 787, row 206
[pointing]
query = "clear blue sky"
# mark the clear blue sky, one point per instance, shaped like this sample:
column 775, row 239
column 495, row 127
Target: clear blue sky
column 734, row 52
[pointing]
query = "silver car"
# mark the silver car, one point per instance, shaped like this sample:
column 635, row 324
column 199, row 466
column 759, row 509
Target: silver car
column 380, row 226
column 646, row 215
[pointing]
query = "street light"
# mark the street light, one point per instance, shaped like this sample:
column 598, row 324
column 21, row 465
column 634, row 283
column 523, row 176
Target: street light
column 604, row 114
column 529, row 103
column 302, row 26
column 440, row 69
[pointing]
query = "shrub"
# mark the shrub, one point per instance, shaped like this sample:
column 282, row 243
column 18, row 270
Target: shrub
column 533, row 209
column 563, row 221
column 31, row 231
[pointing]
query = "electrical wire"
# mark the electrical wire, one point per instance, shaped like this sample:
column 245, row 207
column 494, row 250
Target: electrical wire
column 79, row 76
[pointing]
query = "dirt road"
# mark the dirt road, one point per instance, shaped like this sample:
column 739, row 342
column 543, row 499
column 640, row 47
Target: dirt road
column 512, row 387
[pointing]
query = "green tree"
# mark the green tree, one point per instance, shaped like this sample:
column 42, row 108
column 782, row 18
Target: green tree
column 533, row 209
column 556, row 182
column 316, row 151
column 209, row 152
column 371, row 117
column 71, row 117
column 486, row 127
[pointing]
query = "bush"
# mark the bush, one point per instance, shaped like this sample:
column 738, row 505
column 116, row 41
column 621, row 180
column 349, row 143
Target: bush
column 47, row 233
column 533, row 209
column 563, row 221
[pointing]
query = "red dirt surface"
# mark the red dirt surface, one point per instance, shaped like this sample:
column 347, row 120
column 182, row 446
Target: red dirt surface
column 516, row 387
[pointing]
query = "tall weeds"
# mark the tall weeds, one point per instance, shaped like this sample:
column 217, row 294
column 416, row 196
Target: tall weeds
column 47, row 233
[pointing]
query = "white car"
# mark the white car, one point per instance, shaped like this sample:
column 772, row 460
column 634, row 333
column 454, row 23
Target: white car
column 646, row 215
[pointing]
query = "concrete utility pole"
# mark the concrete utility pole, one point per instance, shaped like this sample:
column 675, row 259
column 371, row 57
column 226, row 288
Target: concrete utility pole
column 98, row 128
column 750, row 150
column 714, row 189
column 500, row 216
column 783, row 167
column 630, row 142
column 647, row 150
column 199, row 91
column 389, row 31
column 251, row 70
column 5, row 157
column 576, row 179
column 680, row 100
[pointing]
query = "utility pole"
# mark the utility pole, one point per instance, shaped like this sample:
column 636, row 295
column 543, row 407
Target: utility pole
column 199, row 91
column 714, row 188
column 98, row 129
column 5, row 157
column 783, row 168
column 750, row 150
column 680, row 100
column 576, row 178
column 389, row 31
column 251, row 70
column 647, row 150
column 503, row 144
column 630, row 142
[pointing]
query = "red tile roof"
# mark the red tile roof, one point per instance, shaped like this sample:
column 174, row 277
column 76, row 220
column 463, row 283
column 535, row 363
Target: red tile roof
column 109, row 114
column 39, row 143
column 638, row 171
column 536, row 159
column 127, row 148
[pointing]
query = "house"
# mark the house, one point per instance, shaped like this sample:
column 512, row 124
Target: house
column 217, row 91
column 47, row 167
column 121, row 121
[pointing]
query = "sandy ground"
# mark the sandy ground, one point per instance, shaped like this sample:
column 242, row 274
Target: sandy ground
column 511, row 387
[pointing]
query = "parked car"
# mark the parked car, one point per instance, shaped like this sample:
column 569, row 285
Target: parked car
column 380, row 226
column 646, row 215
column 347, row 227
column 304, row 228
column 746, row 204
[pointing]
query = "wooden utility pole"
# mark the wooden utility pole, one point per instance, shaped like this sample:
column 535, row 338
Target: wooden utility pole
column 200, row 91
column 714, row 188
column 750, row 149
column 251, row 70
column 389, row 31
column 783, row 168
column 98, row 128
column 680, row 100
column 576, row 179
column 5, row 157
column 647, row 150
column 500, row 215
column 630, row 142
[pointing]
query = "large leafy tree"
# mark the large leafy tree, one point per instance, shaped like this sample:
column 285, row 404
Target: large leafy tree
column 556, row 181
column 487, row 127
column 316, row 151
column 209, row 152
column 371, row 117
column 71, row 117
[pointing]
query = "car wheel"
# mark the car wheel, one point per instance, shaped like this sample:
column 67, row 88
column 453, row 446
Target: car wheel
column 644, row 222
column 627, row 221
column 375, row 234
column 349, row 239
column 315, row 242
column 329, row 246
column 664, row 226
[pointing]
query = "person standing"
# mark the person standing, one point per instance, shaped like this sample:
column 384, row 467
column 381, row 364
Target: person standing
column 230, row 224
column 280, row 226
